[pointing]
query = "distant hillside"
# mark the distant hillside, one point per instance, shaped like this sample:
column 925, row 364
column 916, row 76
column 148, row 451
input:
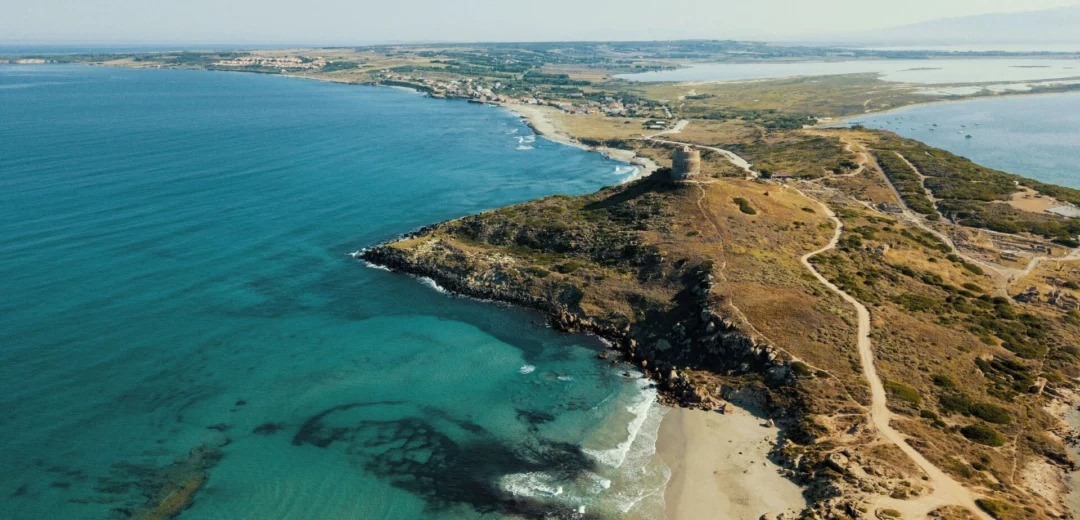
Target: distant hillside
column 1061, row 25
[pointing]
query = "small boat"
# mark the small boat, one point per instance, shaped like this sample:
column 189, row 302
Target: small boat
column 967, row 136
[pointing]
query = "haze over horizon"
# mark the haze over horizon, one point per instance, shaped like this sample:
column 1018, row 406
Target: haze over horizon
column 328, row 22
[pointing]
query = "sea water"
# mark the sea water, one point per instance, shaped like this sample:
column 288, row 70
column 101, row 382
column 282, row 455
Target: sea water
column 176, row 275
column 1037, row 136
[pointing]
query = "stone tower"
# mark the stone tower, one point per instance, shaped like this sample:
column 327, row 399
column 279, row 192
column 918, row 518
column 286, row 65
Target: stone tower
column 685, row 164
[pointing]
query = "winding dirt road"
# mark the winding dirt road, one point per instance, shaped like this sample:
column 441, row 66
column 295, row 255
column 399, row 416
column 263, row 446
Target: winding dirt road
column 733, row 158
column 946, row 490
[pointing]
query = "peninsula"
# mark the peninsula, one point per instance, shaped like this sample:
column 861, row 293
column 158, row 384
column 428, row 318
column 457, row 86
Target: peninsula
column 906, row 318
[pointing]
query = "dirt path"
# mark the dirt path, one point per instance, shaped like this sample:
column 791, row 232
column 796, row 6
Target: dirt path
column 1023, row 273
column 999, row 274
column 677, row 129
column 733, row 158
column 946, row 490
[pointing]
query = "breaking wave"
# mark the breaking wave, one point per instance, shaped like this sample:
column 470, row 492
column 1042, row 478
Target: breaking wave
column 639, row 409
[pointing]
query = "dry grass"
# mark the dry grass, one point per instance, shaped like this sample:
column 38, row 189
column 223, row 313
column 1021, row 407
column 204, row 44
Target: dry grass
column 935, row 354
column 829, row 96
column 1032, row 201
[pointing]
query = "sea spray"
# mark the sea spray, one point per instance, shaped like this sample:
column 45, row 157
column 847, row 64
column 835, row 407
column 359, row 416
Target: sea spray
column 639, row 409
column 643, row 476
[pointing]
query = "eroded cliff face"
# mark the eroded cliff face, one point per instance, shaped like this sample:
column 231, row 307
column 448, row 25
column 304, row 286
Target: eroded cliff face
column 699, row 338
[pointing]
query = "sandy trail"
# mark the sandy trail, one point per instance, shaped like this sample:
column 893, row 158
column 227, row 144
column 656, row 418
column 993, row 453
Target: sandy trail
column 677, row 129
column 946, row 490
column 741, row 163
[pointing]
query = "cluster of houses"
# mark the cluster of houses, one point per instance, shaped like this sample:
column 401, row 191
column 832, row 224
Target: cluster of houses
column 273, row 62
column 479, row 90
column 608, row 106
column 467, row 88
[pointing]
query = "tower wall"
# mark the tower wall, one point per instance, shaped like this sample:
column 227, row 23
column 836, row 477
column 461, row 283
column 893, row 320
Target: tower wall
column 685, row 163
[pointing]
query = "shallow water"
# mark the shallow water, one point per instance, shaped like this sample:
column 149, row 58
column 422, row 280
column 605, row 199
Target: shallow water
column 930, row 71
column 1035, row 136
column 175, row 275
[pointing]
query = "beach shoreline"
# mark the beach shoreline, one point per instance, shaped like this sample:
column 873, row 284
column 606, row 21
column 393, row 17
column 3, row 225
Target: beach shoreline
column 1058, row 483
column 720, row 464
column 539, row 119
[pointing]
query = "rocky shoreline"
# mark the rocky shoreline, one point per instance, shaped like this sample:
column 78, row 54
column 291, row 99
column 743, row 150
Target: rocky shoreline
column 823, row 477
column 717, row 334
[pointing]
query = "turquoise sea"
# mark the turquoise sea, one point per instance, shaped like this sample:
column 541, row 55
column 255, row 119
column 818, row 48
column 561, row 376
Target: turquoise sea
column 1035, row 136
column 176, row 277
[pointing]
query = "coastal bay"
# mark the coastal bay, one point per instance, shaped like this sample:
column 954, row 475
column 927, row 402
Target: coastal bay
column 687, row 442
column 213, row 348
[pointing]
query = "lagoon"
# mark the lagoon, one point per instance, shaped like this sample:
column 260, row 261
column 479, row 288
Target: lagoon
column 929, row 71
column 1037, row 136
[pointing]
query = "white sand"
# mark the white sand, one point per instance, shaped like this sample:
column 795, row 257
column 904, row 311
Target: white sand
column 720, row 467
column 544, row 121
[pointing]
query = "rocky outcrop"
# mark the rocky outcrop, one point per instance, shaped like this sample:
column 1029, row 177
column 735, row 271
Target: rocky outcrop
column 704, row 338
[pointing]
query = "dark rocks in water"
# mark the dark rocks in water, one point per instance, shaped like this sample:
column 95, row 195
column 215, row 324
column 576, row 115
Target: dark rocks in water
column 241, row 402
column 219, row 427
column 164, row 492
column 314, row 432
column 269, row 428
column 534, row 418
column 415, row 455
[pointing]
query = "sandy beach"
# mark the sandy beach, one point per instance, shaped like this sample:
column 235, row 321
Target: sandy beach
column 720, row 467
column 1053, row 482
column 719, row 462
column 544, row 121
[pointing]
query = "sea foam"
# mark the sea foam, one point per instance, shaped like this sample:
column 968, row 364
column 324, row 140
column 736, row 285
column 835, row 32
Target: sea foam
column 639, row 408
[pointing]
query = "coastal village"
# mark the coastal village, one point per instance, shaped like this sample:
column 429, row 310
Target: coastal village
column 482, row 91
column 284, row 63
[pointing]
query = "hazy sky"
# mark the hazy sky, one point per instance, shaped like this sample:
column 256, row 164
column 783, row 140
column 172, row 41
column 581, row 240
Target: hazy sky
column 360, row 21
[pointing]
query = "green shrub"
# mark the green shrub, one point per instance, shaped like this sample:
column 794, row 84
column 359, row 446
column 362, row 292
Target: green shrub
column 744, row 206
column 990, row 413
column 801, row 369
column 954, row 403
column 903, row 392
column 943, row 381
column 996, row 508
column 569, row 266
column 983, row 434
column 972, row 268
